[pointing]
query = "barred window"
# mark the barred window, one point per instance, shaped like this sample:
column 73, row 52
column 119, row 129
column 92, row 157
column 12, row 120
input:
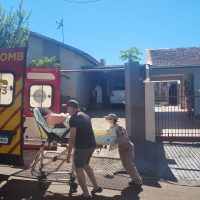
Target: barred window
column 41, row 96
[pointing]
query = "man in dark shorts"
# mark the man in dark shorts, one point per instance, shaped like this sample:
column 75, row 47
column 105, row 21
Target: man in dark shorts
column 83, row 140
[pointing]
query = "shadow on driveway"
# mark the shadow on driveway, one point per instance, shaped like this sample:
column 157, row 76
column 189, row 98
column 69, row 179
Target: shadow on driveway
column 21, row 189
column 151, row 160
column 28, row 190
column 16, row 189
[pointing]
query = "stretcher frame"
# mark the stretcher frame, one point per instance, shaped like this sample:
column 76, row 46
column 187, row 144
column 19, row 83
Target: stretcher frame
column 41, row 174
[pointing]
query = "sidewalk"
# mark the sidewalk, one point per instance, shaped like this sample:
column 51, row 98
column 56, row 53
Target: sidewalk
column 24, row 189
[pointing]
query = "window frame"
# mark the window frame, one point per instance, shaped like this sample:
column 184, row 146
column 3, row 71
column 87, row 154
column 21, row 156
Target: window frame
column 41, row 84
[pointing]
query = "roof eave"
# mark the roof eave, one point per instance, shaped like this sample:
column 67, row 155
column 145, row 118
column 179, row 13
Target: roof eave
column 81, row 53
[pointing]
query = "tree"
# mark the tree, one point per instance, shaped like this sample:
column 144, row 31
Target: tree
column 14, row 31
column 48, row 62
column 45, row 62
column 131, row 54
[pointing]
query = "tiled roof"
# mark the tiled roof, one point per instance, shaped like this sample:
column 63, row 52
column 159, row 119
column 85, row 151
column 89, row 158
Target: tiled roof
column 173, row 56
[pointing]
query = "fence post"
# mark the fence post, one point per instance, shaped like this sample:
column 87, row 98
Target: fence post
column 135, row 102
column 149, row 112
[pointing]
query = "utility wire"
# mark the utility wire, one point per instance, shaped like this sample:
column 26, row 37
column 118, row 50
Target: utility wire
column 90, row 1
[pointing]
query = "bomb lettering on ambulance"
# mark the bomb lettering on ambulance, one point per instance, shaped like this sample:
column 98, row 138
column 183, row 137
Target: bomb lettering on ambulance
column 11, row 56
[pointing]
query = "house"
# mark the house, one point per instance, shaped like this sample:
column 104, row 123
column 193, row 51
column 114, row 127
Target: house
column 176, row 72
column 182, row 64
column 78, row 86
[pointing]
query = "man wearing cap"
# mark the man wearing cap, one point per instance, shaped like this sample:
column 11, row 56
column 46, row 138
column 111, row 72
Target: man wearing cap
column 126, row 151
column 83, row 140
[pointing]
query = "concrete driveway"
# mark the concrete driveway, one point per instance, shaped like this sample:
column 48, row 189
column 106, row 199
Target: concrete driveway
column 169, row 171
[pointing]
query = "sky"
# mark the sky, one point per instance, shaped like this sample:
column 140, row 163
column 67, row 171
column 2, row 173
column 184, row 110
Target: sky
column 103, row 28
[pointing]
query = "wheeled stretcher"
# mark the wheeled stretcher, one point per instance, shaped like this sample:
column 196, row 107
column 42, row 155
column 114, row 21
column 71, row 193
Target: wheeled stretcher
column 103, row 137
column 42, row 162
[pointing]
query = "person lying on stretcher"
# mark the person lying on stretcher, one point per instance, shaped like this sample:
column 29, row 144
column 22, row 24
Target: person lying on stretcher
column 61, row 120
column 55, row 120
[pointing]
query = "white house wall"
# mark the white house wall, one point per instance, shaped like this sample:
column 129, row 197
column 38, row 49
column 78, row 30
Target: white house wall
column 77, row 86
column 35, row 49
column 51, row 49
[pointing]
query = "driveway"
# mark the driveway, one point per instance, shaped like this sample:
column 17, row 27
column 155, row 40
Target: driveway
column 176, row 162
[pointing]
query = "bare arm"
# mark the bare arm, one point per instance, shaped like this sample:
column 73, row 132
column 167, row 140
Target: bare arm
column 71, row 143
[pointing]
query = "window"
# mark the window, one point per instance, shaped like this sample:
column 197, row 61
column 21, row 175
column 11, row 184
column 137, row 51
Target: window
column 40, row 96
column 6, row 88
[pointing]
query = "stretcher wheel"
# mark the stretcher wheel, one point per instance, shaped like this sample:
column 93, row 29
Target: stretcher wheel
column 41, row 185
column 74, row 186
column 72, row 178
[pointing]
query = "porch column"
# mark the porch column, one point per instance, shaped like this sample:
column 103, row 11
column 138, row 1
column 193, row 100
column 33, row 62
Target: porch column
column 135, row 102
column 149, row 112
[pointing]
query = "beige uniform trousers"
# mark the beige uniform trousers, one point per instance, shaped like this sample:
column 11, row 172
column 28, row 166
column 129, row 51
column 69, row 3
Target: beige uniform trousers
column 127, row 158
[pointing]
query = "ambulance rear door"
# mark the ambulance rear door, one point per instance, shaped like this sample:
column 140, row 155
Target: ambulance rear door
column 12, row 73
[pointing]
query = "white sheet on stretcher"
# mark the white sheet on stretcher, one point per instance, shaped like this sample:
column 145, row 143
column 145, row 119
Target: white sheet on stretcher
column 105, row 137
column 102, row 136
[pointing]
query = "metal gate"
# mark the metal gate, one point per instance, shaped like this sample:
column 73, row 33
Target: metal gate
column 177, row 112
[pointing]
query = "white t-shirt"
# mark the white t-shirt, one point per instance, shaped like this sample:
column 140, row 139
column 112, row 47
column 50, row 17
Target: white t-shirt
column 98, row 90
